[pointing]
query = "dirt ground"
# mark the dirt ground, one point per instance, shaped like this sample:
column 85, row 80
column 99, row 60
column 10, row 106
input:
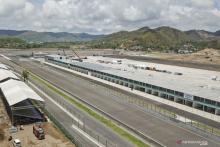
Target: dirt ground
column 53, row 137
column 206, row 56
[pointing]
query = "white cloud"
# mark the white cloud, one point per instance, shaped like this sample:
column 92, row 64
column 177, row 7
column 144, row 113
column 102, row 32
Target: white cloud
column 105, row 16
column 216, row 12
column 133, row 14
column 28, row 10
column 7, row 7
column 203, row 4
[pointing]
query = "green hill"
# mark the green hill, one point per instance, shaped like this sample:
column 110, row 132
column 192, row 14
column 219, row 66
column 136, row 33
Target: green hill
column 33, row 36
column 161, row 38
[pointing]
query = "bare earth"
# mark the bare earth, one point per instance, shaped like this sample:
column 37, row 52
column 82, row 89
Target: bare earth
column 53, row 138
column 206, row 56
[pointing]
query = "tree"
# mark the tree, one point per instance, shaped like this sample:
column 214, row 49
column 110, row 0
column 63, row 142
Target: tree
column 25, row 75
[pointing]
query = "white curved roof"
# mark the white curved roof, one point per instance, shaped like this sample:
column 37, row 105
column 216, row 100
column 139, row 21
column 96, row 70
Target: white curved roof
column 2, row 66
column 17, row 91
column 4, row 74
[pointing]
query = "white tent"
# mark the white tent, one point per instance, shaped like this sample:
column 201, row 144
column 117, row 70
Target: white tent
column 3, row 66
column 17, row 91
column 4, row 74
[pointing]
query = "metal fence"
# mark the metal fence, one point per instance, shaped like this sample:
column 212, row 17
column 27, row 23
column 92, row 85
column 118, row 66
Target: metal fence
column 175, row 117
column 152, row 108
column 73, row 139
column 79, row 122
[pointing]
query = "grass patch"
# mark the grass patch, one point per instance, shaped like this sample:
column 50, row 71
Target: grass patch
column 92, row 113
column 206, row 128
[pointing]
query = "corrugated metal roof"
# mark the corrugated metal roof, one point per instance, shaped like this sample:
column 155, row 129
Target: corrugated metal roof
column 17, row 91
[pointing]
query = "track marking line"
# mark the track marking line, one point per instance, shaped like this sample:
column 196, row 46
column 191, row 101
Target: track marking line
column 87, row 136
column 5, row 57
column 67, row 112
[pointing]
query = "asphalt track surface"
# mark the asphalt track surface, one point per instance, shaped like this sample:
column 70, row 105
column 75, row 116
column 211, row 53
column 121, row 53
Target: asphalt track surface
column 158, row 129
column 92, row 124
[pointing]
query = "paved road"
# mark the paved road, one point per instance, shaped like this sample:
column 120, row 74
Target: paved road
column 160, row 130
column 213, row 67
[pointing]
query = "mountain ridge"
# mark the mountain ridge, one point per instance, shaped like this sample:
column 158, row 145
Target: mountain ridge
column 35, row 36
column 30, row 35
column 163, row 37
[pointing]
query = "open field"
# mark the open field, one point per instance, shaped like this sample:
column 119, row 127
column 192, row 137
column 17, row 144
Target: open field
column 208, row 59
column 206, row 56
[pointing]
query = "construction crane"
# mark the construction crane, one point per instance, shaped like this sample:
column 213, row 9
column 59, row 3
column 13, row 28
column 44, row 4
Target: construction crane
column 64, row 53
column 79, row 59
column 75, row 54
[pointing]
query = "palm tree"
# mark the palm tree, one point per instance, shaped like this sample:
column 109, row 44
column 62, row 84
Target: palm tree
column 25, row 75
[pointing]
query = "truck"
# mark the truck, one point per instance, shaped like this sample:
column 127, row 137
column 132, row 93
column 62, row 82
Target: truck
column 38, row 131
column 17, row 143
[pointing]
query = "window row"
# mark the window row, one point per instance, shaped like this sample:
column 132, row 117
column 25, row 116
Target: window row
column 180, row 94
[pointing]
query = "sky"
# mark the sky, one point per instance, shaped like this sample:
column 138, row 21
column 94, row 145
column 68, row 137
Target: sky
column 108, row 16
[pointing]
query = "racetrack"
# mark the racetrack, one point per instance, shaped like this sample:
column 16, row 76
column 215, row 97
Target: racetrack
column 132, row 116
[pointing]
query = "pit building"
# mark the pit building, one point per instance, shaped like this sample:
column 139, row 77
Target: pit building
column 195, row 88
